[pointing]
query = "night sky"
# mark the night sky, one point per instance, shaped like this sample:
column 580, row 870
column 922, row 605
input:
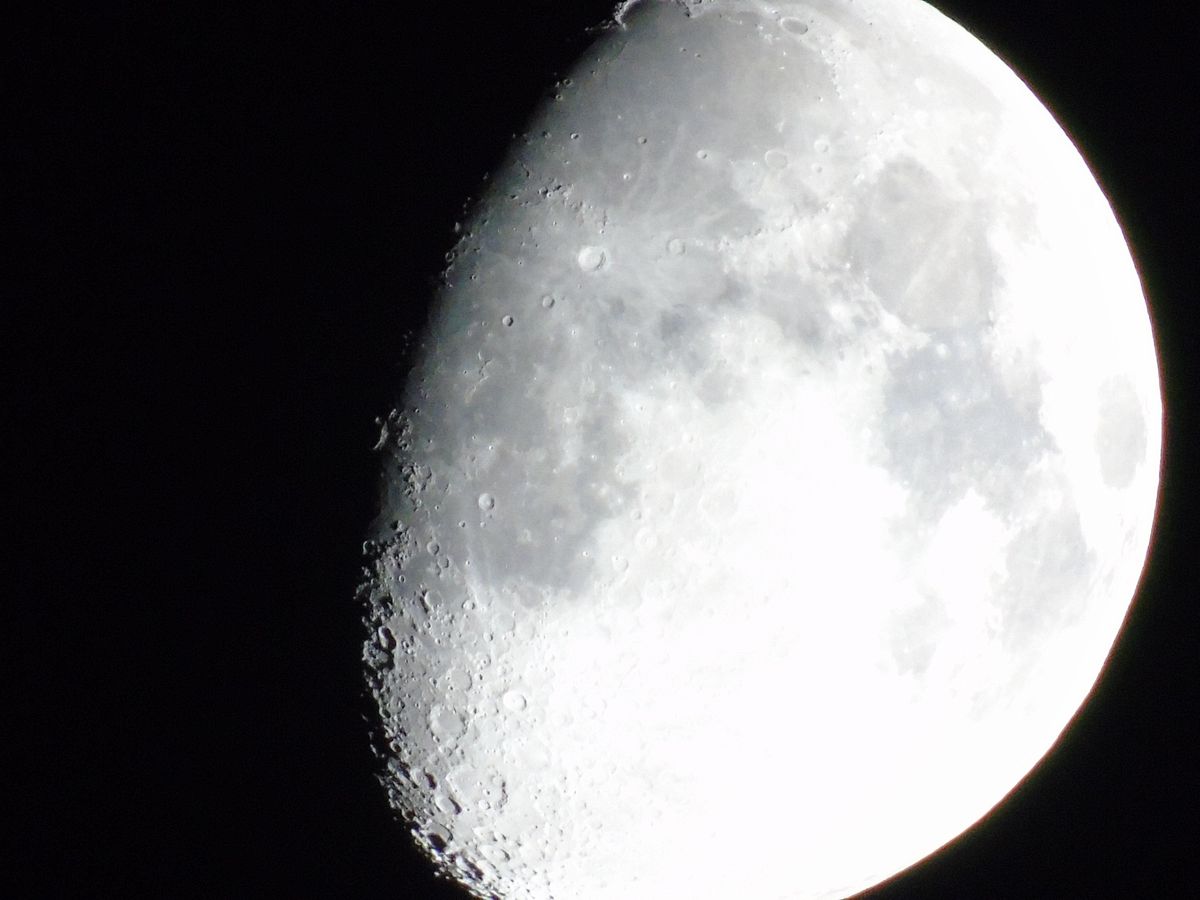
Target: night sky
column 221, row 226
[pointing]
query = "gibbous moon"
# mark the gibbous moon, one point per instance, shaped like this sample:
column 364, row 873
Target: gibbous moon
column 776, row 471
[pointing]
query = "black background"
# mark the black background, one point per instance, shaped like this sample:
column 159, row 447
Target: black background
column 222, row 224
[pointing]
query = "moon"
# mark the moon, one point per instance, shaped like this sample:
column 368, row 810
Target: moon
column 775, row 470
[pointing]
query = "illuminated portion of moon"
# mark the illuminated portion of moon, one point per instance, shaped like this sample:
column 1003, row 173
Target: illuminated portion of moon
column 776, row 471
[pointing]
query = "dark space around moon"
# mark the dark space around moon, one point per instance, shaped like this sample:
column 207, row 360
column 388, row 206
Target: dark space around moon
column 225, row 225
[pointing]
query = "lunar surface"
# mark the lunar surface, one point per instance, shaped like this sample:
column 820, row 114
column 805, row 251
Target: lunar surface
column 776, row 469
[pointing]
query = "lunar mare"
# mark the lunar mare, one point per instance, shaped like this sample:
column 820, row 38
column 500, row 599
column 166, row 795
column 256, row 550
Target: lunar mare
column 776, row 470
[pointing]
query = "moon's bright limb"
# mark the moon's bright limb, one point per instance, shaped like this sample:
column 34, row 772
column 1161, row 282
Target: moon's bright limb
column 777, row 469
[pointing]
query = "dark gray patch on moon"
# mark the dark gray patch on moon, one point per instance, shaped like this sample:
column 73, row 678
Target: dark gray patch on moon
column 1049, row 574
column 1120, row 433
column 801, row 310
column 950, row 423
column 682, row 343
column 924, row 253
